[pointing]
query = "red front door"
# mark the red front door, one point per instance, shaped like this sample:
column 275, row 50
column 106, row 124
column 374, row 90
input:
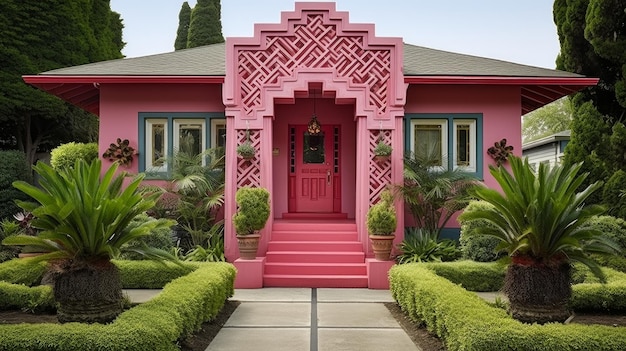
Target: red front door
column 314, row 176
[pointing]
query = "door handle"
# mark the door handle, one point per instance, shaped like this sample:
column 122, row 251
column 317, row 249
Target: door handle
column 328, row 178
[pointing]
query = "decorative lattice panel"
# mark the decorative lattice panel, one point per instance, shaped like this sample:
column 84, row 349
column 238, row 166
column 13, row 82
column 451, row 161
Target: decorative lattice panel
column 249, row 171
column 314, row 44
column 380, row 173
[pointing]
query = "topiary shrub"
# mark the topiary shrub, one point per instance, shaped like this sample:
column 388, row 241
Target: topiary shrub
column 474, row 246
column 65, row 155
column 13, row 167
column 160, row 238
column 612, row 194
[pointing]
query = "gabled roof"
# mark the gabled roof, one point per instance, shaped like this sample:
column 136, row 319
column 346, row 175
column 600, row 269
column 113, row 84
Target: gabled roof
column 206, row 64
column 556, row 137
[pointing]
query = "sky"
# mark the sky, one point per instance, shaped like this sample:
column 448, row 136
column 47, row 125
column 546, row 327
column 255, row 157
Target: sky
column 509, row 30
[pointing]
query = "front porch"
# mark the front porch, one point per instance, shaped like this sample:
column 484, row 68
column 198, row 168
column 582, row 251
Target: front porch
column 314, row 253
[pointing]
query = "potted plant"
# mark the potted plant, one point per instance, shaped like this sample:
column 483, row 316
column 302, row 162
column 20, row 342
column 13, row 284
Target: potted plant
column 381, row 226
column 382, row 152
column 246, row 150
column 253, row 210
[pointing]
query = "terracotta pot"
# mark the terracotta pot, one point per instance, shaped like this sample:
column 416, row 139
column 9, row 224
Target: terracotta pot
column 248, row 246
column 381, row 160
column 382, row 245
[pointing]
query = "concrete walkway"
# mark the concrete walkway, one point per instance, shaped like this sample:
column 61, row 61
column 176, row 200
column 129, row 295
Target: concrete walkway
column 305, row 319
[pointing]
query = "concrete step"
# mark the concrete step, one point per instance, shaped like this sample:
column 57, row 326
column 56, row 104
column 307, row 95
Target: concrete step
column 315, row 281
column 315, row 257
column 292, row 268
column 280, row 235
column 313, row 226
column 314, row 246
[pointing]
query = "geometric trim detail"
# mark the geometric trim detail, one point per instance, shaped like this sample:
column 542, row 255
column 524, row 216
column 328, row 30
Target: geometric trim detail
column 380, row 173
column 249, row 171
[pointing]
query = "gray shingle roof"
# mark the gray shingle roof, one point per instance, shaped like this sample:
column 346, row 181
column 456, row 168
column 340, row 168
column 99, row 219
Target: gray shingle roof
column 210, row 61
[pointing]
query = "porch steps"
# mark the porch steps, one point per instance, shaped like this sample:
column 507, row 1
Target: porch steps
column 315, row 252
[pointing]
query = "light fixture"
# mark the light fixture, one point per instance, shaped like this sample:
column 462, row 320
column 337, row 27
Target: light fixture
column 314, row 127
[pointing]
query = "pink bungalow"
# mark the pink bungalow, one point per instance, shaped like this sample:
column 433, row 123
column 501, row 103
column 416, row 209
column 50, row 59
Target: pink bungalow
column 313, row 66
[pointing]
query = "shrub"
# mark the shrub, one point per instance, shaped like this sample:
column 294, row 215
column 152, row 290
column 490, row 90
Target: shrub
column 477, row 247
column 150, row 274
column 611, row 227
column 13, row 167
column 421, row 245
column 466, row 322
column 18, row 296
column 158, row 238
column 22, row 271
column 179, row 310
column 65, row 155
column 473, row 276
column 612, row 194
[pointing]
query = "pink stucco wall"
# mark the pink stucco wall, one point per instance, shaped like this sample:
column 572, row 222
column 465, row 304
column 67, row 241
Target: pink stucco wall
column 328, row 113
column 120, row 105
column 499, row 105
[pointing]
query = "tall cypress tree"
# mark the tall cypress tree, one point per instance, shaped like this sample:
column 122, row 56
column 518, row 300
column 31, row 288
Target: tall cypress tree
column 592, row 34
column 184, row 17
column 205, row 26
column 40, row 36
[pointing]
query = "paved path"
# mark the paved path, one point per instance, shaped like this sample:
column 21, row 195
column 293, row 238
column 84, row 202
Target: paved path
column 303, row 319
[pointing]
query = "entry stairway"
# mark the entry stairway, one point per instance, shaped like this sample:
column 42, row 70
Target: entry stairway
column 315, row 253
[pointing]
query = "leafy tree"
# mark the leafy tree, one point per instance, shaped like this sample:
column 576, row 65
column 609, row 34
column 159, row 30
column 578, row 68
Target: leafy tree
column 540, row 219
column 184, row 17
column 40, row 36
column 84, row 224
column 205, row 26
column 592, row 36
column 550, row 119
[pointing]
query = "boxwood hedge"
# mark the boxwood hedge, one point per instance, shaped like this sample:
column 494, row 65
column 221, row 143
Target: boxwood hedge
column 179, row 310
column 465, row 321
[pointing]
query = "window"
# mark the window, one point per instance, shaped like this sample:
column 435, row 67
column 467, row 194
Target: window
column 162, row 134
column 450, row 141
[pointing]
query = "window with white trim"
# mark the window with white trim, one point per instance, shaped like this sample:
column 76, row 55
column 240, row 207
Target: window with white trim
column 163, row 134
column 449, row 141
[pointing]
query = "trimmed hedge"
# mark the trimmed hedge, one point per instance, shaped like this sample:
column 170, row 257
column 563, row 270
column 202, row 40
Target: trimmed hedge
column 179, row 310
column 473, row 276
column 22, row 271
column 134, row 274
column 17, row 296
column 150, row 274
column 464, row 321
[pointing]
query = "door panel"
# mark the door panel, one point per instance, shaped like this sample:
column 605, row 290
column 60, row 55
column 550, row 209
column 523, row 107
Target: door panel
column 313, row 178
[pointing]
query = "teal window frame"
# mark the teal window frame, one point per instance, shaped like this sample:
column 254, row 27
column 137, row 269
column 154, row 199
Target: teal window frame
column 450, row 118
column 169, row 119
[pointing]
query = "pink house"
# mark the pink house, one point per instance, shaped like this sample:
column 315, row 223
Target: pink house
column 266, row 89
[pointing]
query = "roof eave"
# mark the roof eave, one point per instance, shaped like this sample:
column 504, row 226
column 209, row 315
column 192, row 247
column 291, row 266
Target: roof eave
column 84, row 91
column 536, row 91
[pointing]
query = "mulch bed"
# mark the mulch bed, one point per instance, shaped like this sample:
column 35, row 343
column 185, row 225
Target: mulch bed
column 423, row 339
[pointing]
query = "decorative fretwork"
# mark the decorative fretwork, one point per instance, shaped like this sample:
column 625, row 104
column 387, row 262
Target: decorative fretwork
column 314, row 44
column 380, row 174
column 249, row 171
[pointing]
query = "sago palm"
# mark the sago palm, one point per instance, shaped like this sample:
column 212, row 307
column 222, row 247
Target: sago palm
column 83, row 218
column 539, row 219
